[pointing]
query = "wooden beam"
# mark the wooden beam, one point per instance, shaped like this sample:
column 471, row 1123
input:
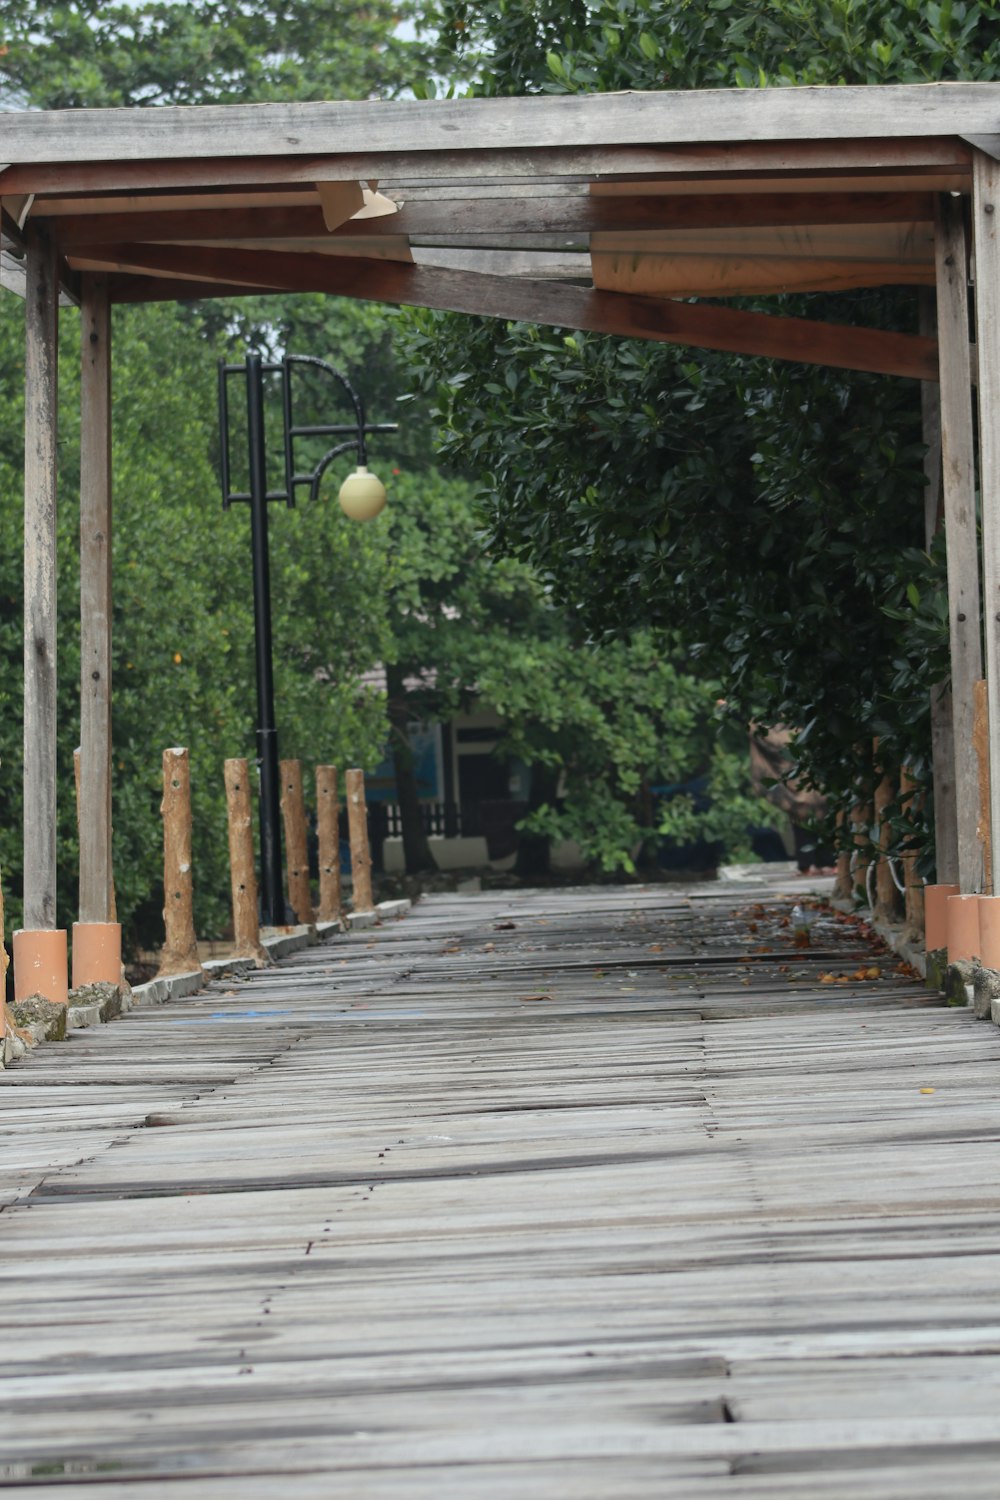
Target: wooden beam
column 40, row 467
column 700, row 325
column 628, row 118
column 877, row 156
column 95, row 604
column 986, row 243
column 942, row 727
column 959, row 493
column 490, row 217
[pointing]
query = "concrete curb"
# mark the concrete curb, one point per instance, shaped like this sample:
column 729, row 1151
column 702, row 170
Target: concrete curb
column 278, row 943
column 894, row 935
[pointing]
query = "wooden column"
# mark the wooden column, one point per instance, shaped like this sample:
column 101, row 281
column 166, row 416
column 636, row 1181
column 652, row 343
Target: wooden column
column 328, row 829
column 361, row 860
column 40, row 455
column 95, row 603
column 180, row 946
column 981, row 737
column 942, row 729
column 959, row 494
column 986, row 240
column 293, row 812
column 242, row 871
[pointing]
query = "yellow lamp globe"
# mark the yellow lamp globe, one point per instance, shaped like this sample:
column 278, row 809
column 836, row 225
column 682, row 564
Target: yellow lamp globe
column 362, row 495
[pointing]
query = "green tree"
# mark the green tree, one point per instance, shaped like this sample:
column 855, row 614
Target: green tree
column 183, row 625
column 801, row 595
column 99, row 53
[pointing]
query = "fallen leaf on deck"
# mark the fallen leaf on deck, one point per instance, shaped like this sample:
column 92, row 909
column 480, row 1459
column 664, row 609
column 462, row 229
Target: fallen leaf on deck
column 927, row 1091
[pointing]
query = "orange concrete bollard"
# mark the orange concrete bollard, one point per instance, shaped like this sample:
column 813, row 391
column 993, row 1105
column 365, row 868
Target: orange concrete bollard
column 963, row 928
column 41, row 964
column 97, row 953
column 989, row 931
column 936, row 915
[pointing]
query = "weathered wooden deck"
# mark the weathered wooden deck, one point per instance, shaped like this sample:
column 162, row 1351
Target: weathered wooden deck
column 617, row 1201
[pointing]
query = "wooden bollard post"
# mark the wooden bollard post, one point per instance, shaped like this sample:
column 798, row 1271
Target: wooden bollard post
column 180, row 947
column 842, row 889
column 3, row 975
column 357, row 823
column 981, row 739
column 886, row 903
column 293, row 812
column 328, row 829
column 861, row 821
column 914, row 895
column 242, row 871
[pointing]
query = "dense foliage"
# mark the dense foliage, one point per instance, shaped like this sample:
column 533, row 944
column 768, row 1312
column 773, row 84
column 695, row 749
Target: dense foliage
column 771, row 514
column 417, row 591
column 98, row 53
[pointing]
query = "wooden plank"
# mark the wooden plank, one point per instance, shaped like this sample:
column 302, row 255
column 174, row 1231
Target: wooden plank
column 96, row 878
column 959, row 497
column 917, row 155
column 668, row 118
column 564, row 306
column 986, row 245
column 40, row 630
column 421, row 1254
column 584, row 214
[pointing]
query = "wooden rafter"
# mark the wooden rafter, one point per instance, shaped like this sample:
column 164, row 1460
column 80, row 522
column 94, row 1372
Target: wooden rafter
column 697, row 324
column 607, row 161
column 585, row 214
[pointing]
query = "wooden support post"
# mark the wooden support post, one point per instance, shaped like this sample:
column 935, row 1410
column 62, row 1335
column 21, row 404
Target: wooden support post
column 95, row 603
column 293, row 812
column 180, row 948
column 40, row 463
column 242, row 869
column 328, row 829
column 942, row 729
column 361, row 860
column 959, row 491
column 981, row 745
column 914, row 894
column 986, row 240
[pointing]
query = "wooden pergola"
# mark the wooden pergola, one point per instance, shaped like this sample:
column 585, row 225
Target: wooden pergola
column 605, row 213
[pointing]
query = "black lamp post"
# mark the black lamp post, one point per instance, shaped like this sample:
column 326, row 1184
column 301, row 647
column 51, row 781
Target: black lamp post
column 362, row 496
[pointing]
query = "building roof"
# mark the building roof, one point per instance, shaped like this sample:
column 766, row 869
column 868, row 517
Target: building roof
column 605, row 212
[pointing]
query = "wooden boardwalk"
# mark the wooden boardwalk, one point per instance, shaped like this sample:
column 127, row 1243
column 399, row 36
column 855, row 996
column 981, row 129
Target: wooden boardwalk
column 556, row 1195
